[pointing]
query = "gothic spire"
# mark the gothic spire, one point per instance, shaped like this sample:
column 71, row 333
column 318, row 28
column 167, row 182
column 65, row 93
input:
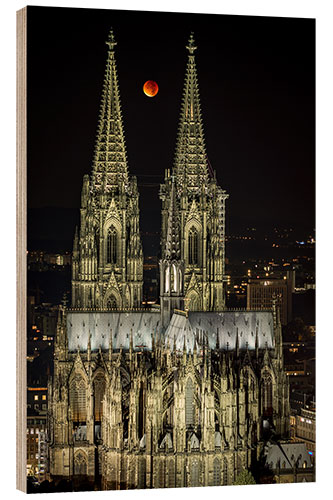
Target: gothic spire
column 172, row 246
column 76, row 240
column 110, row 169
column 190, row 165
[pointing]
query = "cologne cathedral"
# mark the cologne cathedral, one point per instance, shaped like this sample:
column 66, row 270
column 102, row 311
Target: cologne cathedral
column 176, row 395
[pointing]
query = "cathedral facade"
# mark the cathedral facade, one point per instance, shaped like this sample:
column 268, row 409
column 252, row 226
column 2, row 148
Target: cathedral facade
column 180, row 394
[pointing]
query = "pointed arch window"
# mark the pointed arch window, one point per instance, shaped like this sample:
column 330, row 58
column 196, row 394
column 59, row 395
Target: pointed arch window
column 99, row 390
column 216, row 472
column 171, row 474
column 173, row 278
column 225, row 472
column 189, row 403
column 160, row 477
column 112, row 302
column 239, row 463
column 267, row 395
column 141, row 411
column 193, row 245
column 142, row 472
column 112, row 246
column 77, row 398
column 80, row 464
column 195, row 474
column 193, row 301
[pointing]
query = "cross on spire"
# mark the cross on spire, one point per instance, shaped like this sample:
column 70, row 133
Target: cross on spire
column 191, row 47
column 111, row 40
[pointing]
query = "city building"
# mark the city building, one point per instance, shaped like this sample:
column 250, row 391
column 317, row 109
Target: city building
column 261, row 293
column 37, row 440
column 289, row 462
column 305, row 429
column 183, row 393
column 38, row 260
column 45, row 321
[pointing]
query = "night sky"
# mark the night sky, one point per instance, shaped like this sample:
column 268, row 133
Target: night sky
column 257, row 87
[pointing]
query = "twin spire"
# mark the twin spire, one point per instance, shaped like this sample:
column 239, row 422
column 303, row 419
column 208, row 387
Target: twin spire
column 108, row 253
column 110, row 168
column 190, row 164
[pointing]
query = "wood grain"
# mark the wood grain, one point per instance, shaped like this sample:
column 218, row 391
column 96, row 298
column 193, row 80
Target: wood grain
column 21, row 247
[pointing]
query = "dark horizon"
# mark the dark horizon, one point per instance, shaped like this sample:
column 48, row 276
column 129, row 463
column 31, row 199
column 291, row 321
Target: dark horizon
column 257, row 88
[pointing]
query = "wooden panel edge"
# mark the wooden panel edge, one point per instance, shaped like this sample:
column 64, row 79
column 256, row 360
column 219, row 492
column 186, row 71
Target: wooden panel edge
column 21, row 247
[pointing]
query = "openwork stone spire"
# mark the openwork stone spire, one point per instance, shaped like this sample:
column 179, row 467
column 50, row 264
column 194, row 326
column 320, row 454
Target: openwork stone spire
column 200, row 202
column 110, row 169
column 190, row 165
column 107, row 255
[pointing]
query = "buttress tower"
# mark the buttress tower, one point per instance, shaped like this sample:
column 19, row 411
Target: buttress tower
column 199, row 203
column 171, row 264
column 107, row 269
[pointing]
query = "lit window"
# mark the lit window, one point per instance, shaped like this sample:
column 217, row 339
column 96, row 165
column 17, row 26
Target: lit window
column 31, row 431
column 44, row 397
column 36, row 397
column 193, row 246
column 111, row 250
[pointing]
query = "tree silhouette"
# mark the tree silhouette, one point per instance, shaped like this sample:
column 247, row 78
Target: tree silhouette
column 244, row 477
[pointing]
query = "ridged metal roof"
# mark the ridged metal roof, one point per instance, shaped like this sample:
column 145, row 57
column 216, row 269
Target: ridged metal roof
column 195, row 328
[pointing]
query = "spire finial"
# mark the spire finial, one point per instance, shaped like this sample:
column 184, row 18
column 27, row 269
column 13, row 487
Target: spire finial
column 191, row 47
column 110, row 138
column 111, row 41
column 190, row 164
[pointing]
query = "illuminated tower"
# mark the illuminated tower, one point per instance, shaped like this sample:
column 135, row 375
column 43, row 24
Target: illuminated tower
column 171, row 265
column 107, row 268
column 201, row 204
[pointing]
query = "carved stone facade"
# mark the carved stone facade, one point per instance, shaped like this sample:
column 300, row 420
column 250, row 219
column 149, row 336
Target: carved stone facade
column 157, row 415
column 200, row 205
column 107, row 268
column 177, row 395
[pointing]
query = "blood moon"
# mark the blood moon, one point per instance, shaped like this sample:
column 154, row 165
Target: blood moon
column 150, row 88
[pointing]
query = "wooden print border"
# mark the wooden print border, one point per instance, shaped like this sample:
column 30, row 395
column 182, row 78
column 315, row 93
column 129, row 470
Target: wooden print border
column 21, row 246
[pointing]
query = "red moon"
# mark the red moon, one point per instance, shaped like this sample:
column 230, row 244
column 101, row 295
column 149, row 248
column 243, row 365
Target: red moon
column 150, row 88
